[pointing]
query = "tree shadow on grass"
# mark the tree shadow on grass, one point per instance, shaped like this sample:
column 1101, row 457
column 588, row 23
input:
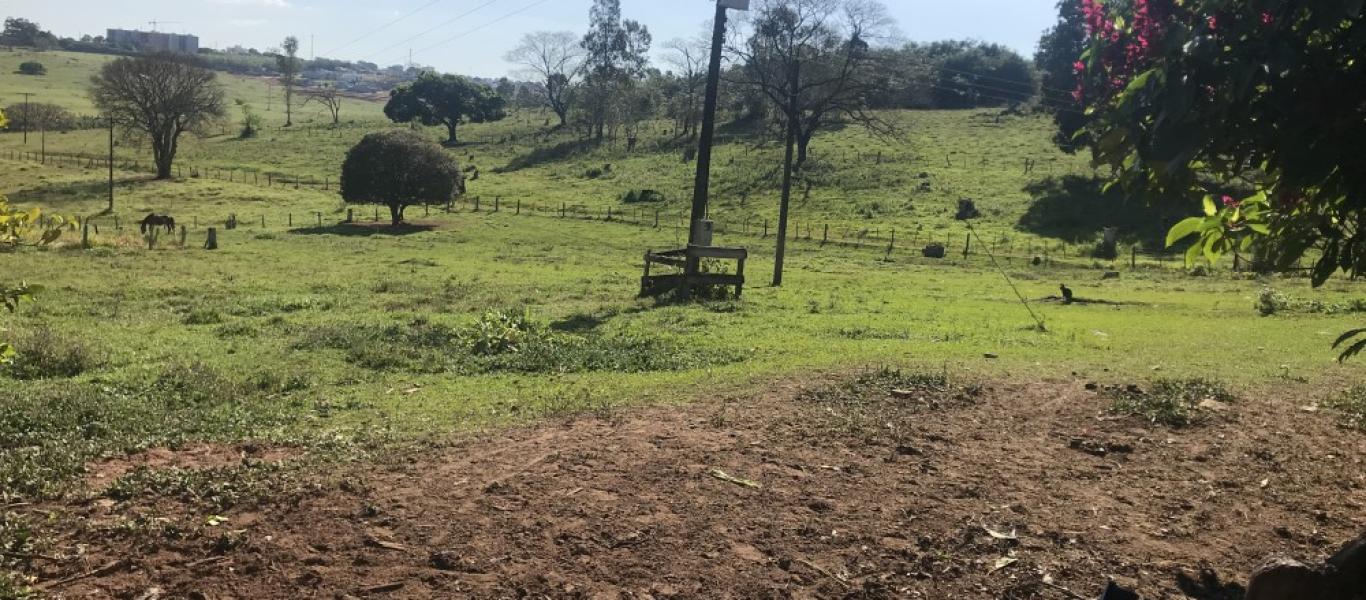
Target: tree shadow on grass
column 549, row 154
column 579, row 323
column 1076, row 209
column 366, row 230
column 61, row 194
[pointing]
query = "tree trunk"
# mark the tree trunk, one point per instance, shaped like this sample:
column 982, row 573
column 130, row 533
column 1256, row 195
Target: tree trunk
column 562, row 113
column 396, row 214
column 451, row 138
column 803, row 144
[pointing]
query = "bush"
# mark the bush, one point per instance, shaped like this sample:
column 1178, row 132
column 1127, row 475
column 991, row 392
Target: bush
column 32, row 68
column 1270, row 302
column 45, row 354
column 194, row 384
column 398, row 169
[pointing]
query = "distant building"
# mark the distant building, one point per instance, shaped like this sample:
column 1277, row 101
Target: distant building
column 153, row 41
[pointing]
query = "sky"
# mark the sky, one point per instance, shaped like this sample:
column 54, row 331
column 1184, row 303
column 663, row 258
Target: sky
column 471, row 37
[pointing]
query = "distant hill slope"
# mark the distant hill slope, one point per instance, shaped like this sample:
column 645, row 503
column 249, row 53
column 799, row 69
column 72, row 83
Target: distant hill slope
column 68, row 77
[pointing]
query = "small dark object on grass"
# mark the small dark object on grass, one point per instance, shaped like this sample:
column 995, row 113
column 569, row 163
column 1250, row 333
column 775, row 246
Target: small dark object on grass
column 934, row 251
column 1066, row 293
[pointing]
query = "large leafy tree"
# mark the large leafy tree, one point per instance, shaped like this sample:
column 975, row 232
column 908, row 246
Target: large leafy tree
column 552, row 57
column 399, row 169
column 616, row 56
column 448, row 100
column 23, row 32
column 1056, row 60
column 1251, row 108
column 160, row 96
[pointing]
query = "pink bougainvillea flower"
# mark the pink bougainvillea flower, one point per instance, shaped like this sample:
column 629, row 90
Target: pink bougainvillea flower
column 1268, row 18
column 1213, row 23
column 1231, row 202
column 1078, row 67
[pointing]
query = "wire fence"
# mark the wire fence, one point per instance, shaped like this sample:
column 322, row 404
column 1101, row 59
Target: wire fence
column 889, row 240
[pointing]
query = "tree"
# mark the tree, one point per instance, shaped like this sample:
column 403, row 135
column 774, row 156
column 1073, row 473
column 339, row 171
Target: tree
column 23, row 32
column 448, row 100
column 288, row 63
column 506, row 89
column 37, row 116
column 689, row 58
column 974, row 74
column 398, row 169
column 812, row 59
column 1251, row 110
column 329, row 98
column 161, row 96
column 32, row 68
column 1060, row 49
column 552, row 57
column 617, row 53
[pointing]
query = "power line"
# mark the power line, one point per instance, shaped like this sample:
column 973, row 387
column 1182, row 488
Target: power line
column 485, row 25
column 434, row 28
column 419, row 9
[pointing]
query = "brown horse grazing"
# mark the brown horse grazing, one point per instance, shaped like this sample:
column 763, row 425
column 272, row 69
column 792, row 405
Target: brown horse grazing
column 154, row 221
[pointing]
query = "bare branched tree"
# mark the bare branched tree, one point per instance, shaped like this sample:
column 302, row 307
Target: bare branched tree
column 689, row 58
column 160, row 96
column 553, row 57
column 812, row 59
column 329, row 97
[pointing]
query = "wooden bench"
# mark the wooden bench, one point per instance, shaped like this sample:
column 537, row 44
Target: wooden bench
column 657, row 285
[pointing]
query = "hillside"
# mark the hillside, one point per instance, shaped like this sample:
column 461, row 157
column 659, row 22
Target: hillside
column 68, row 77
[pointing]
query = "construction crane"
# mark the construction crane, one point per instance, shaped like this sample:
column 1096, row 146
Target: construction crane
column 155, row 23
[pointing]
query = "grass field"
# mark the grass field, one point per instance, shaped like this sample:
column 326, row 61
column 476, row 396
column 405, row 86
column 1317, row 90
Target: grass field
column 330, row 335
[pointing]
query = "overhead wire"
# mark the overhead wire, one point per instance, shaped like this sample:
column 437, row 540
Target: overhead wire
column 419, row 9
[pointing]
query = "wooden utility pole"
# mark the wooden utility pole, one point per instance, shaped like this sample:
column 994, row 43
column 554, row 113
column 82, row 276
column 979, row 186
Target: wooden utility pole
column 27, row 118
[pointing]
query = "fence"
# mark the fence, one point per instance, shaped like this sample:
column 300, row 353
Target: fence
column 884, row 239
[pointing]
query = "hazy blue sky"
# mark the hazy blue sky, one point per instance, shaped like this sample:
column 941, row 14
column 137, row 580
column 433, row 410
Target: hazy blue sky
column 478, row 40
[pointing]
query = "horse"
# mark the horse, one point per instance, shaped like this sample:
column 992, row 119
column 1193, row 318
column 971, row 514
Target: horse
column 153, row 221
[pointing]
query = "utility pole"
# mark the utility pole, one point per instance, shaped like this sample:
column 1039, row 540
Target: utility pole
column 311, row 39
column 702, row 183
column 270, row 94
column 26, row 115
column 786, row 201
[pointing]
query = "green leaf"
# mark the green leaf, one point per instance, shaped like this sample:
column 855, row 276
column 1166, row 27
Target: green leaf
column 1184, row 229
column 1210, row 208
column 1193, row 254
column 1260, row 228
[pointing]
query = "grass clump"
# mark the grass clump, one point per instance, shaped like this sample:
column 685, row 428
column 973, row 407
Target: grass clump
column 1171, row 402
column 46, row 354
column 1351, row 405
column 504, row 341
column 873, row 404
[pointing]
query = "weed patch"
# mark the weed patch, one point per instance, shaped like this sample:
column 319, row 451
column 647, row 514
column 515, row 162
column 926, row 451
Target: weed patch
column 504, row 342
column 46, row 354
column 1171, row 402
column 872, row 404
column 1351, row 405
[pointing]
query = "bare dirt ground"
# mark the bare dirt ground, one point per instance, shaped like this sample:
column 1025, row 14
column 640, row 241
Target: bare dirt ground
column 1014, row 490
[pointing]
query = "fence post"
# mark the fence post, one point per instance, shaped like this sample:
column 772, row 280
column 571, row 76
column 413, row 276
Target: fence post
column 825, row 237
column 320, row 219
column 519, row 206
column 496, row 201
column 291, row 219
column 656, row 218
column 765, row 227
column 212, row 242
column 263, row 221
column 85, row 234
column 967, row 247
column 1133, row 258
